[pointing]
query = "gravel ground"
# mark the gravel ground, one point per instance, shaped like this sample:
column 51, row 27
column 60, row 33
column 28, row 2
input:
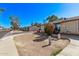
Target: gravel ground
column 31, row 44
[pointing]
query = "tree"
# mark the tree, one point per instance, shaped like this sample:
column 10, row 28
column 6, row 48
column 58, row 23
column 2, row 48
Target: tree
column 2, row 10
column 49, row 29
column 24, row 28
column 14, row 22
column 52, row 18
column 37, row 25
column 31, row 24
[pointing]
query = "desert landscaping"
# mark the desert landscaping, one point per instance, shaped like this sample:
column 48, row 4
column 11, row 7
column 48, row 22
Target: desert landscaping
column 38, row 30
column 31, row 44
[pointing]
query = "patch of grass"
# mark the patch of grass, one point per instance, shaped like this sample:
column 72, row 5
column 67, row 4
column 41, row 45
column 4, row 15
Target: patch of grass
column 56, row 52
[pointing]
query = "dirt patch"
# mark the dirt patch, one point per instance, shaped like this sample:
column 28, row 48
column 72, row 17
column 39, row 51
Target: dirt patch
column 26, row 45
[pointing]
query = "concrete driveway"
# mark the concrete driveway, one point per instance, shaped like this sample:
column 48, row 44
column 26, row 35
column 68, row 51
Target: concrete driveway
column 76, row 37
column 73, row 48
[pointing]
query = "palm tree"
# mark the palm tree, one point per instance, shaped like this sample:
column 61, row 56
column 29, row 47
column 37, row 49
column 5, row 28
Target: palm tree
column 14, row 22
column 52, row 18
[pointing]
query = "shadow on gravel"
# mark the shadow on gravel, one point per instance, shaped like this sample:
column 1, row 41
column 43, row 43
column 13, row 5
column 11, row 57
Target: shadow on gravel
column 42, row 37
column 45, row 45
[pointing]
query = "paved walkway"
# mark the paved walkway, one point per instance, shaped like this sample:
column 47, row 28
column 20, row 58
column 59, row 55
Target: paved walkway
column 7, row 47
column 71, row 50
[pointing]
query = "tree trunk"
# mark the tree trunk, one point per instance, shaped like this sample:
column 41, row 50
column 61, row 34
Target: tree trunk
column 49, row 40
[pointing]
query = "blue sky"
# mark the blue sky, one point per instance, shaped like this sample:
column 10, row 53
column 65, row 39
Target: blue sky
column 36, row 12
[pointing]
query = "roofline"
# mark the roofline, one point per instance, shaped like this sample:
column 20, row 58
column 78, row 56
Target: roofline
column 68, row 19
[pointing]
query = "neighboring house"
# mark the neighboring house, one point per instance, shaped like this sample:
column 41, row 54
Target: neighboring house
column 33, row 28
column 7, row 29
column 69, row 26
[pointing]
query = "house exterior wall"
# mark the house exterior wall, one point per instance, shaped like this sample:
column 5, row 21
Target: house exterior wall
column 78, row 25
column 70, row 27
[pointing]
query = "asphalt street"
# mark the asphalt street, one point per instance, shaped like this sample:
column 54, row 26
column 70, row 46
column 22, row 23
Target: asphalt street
column 2, row 33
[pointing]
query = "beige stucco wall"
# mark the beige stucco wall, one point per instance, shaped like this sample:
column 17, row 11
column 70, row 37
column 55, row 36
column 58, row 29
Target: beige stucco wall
column 78, row 25
column 70, row 27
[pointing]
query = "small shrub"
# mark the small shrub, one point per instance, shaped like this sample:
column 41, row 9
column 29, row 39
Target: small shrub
column 49, row 29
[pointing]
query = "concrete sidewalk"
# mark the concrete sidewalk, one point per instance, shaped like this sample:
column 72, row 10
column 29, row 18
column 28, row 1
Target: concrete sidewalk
column 71, row 50
column 7, row 47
